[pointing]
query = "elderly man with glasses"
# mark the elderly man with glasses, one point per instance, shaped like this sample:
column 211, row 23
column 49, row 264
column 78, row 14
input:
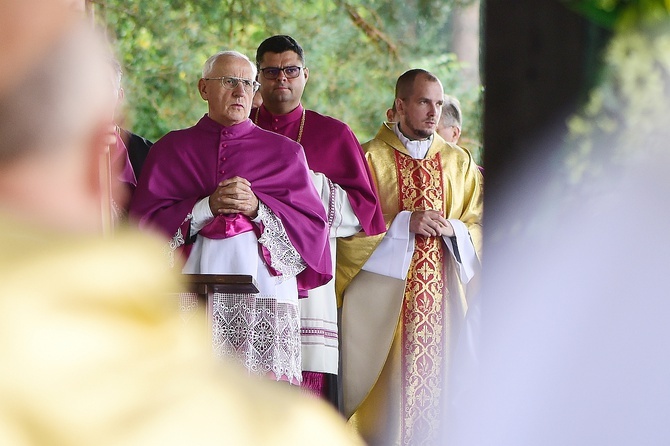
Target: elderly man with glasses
column 236, row 199
column 343, row 180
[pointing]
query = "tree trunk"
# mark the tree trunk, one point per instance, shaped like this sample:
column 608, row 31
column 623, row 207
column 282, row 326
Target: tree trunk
column 465, row 39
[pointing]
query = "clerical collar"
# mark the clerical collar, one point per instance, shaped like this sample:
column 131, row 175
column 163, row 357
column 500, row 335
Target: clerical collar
column 281, row 120
column 417, row 148
column 234, row 131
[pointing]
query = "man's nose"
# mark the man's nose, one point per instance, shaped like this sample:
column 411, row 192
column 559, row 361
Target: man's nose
column 239, row 89
column 282, row 76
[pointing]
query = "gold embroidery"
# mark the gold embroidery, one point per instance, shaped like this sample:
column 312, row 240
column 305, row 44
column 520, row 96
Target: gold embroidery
column 421, row 188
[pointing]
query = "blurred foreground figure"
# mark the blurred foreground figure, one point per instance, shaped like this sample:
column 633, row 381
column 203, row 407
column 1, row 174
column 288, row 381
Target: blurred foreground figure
column 574, row 351
column 574, row 334
column 93, row 351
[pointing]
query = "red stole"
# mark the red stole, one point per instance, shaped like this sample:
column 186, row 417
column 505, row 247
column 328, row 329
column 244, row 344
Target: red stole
column 421, row 187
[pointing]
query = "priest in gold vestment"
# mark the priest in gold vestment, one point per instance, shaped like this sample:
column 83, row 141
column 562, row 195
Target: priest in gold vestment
column 404, row 296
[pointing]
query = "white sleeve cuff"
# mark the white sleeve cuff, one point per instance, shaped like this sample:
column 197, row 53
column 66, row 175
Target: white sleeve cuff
column 394, row 253
column 341, row 217
column 202, row 215
column 345, row 221
column 469, row 262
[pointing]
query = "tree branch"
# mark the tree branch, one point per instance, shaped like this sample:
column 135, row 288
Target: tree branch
column 371, row 31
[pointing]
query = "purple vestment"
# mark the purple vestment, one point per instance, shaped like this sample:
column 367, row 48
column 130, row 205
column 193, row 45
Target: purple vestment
column 332, row 149
column 187, row 165
column 121, row 164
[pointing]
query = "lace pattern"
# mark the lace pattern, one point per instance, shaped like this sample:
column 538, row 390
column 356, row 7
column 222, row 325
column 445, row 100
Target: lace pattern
column 176, row 241
column 331, row 204
column 260, row 332
column 188, row 305
column 283, row 256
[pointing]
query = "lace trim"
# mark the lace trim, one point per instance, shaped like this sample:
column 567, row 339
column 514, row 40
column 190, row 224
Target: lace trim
column 260, row 332
column 188, row 306
column 283, row 256
column 331, row 204
column 176, row 241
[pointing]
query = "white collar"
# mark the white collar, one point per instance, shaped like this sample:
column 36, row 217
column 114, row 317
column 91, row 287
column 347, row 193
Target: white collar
column 417, row 148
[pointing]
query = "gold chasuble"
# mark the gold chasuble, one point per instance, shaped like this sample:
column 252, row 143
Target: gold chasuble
column 403, row 406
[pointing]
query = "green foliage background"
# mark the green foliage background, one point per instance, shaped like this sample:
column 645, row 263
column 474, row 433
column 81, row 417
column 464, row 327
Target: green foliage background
column 355, row 51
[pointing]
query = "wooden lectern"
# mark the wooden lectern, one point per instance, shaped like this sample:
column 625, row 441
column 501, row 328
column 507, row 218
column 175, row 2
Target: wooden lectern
column 201, row 289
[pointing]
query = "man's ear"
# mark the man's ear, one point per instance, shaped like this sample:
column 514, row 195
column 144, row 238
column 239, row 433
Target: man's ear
column 457, row 134
column 202, row 88
column 306, row 73
column 399, row 106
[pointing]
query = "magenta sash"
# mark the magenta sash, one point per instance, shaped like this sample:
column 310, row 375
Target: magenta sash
column 227, row 225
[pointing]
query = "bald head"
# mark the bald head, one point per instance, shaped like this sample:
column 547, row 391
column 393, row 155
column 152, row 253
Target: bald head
column 27, row 27
column 59, row 99
column 404, row 86
column 52, row 134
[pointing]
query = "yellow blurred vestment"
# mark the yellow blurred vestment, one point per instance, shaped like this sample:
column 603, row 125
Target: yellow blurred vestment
column 94, row 352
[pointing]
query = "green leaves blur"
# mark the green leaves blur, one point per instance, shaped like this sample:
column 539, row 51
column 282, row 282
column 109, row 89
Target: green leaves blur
column 355, row 51
column 621, row 13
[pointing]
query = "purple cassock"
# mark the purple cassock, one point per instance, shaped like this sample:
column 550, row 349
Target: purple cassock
column 332, row 149
column 121, row 164
column 122, row 173
column 187, row 165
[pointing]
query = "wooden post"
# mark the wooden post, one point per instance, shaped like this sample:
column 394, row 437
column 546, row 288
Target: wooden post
column 106, row 205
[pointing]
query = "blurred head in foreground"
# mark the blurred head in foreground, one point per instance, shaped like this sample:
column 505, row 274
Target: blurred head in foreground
column 52, row 127
column 27, row 28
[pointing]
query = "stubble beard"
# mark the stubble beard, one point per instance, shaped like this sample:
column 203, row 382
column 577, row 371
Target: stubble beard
column 417, row 132
column 423, row 134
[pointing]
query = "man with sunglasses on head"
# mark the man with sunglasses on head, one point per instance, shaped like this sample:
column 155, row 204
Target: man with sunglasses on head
column 341, row 177
column 236, row 199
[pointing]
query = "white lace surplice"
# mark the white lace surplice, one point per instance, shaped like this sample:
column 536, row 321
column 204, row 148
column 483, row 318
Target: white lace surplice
column 262, row 331
column 318, row 312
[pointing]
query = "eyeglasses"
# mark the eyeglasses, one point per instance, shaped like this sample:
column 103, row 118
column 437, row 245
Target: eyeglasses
column 272, row 73
column 231, row 83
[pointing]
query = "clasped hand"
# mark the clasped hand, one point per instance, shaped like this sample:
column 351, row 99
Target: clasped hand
column 234, row 196
column 430, row 223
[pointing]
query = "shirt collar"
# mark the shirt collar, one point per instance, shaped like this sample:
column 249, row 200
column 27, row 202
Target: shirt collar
column 292, row 116
column 234, row 130
column 416, row 147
